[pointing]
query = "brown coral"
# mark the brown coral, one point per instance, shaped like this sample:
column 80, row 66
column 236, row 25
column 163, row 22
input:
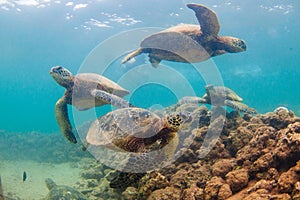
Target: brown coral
column 253, row 158
column 237, row 179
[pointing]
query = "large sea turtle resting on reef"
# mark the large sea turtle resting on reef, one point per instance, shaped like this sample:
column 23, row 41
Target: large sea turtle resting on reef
column 84, row 91
column 137, row 130
column 62, row 192
column 189, row 42
column 219, row 96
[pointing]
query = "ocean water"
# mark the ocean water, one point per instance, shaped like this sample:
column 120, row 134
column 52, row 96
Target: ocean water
column 36, row 35
column 94, row 36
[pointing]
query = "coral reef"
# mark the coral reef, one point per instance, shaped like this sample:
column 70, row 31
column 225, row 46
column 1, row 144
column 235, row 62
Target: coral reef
column 255, row 157
column 40, row 147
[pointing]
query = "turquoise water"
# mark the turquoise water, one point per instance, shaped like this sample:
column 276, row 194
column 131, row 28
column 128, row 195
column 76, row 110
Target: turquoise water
column 36, row 35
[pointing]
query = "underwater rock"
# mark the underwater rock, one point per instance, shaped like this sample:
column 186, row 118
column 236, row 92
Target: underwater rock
column 217, row 188
column 165, row 194
column 222, row 167
column 131, row 193
column 255, row 157
column 283, row 196
column 261, row 194
column 287, row 180
column 279, row 119
column 151, row 182
column 192, row 193
column 296, row 191
column 263, row 184
column 237, row 179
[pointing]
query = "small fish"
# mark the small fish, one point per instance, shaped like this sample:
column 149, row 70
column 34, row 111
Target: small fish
column 24, row 176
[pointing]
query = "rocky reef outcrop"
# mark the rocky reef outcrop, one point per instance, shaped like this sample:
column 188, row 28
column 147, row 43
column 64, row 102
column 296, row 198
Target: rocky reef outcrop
column 253, row 157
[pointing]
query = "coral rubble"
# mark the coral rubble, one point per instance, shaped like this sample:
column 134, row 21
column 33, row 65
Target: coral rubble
column 255, row 157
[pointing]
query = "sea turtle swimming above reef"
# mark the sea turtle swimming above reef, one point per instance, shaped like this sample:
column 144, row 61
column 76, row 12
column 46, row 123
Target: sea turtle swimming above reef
column 57, row 192
column 84, row 91
column 189, row 42
column 139, row 131
column 220, row 96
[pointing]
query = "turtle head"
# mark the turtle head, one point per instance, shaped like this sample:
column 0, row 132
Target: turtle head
column 174, row 121
column 50, row 183
column 231, row 44
column 209, row 89
column 62, row 76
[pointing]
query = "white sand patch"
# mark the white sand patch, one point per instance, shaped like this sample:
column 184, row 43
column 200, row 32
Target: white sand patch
column 34, row 188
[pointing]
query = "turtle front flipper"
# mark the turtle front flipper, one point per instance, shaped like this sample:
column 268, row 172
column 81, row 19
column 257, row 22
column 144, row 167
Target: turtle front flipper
column 112, row 99
column 240, row 107
column 61, row 114
column 207, row 19
column 192, row 100
column 132, row 55
column 50, row 183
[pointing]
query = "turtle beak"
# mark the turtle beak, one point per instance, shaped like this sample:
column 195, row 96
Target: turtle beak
column 243, row 45
column 55, row 70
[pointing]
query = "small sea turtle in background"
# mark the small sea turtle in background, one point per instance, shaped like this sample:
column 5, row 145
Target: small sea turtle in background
column 220, row 96
column 137, row 130
column 189, row 42
column 62, row 192
column 84, row 91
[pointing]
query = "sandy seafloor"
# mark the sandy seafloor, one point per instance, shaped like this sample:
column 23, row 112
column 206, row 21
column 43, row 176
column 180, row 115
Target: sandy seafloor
column 34, row 187
column 41, row 156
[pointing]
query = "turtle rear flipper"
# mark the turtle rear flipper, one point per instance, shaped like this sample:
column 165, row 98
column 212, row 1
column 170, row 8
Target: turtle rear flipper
column 240, row 107
column 61, row 114
column 110, row 99
column 132, row 55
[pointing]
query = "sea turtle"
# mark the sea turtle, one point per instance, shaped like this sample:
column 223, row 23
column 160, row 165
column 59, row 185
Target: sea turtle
column 219, row 96
column 139, row 131
column 84, row 91
column 189, row 42
column 62, row 192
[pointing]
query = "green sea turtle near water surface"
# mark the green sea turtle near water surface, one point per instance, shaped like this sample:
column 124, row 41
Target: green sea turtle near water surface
column 220, row 96
column 84, row 91
column 140, row 131
column 57, row 192
column 189, row 42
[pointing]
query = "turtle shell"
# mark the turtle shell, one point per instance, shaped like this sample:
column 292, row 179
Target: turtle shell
column 123, row 127
column 102, row 83
column 85, row 83
column 178, row 43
